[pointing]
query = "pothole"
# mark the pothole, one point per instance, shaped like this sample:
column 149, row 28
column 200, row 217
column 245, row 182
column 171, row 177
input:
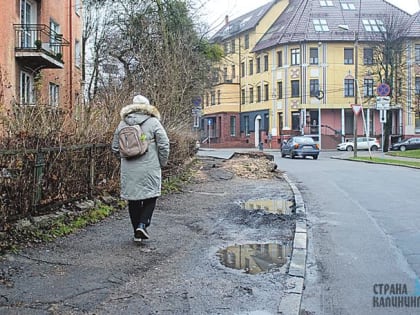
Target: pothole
column 255, row 258
column 276, row 206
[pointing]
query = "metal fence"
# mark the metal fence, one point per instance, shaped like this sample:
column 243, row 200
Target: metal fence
column 32, row 182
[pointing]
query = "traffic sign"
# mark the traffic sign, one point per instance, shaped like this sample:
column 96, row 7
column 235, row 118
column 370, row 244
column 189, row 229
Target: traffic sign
column 383, row 89
column 356, row 108
column 383, row 102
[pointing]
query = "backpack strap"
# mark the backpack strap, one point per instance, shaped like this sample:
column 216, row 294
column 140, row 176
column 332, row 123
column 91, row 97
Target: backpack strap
column 151, row 140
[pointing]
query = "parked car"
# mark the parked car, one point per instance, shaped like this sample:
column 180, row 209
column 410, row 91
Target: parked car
column 300, row 146
column 362, row 144
column 407, row 144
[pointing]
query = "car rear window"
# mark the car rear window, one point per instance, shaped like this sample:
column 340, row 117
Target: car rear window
column 304, row 140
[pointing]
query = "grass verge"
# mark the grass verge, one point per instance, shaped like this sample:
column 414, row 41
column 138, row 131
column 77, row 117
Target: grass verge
column 415, row 164
column 409, row 154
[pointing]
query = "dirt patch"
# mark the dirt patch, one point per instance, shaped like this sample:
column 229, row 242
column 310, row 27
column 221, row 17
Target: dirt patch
column 100, row 271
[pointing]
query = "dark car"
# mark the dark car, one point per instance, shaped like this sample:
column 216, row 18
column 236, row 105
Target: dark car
column 407, row 144
column 300, row 146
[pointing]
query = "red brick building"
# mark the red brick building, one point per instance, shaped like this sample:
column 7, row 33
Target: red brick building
column 40, row 53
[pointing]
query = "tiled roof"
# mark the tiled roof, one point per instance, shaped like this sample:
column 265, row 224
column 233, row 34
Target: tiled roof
column 296, row 23
column 241, row 24
column 414, row 26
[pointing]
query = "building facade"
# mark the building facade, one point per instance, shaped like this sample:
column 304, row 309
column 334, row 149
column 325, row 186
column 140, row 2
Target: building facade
column 40, row 53
column 296, row 67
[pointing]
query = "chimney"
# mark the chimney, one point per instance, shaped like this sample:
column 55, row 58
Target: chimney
column 227, row 19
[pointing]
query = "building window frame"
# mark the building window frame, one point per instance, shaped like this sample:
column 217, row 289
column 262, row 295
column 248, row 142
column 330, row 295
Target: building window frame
column 313, row 87
column 279, row 58
column 348, row 56
column 348, row 87
column 313, row 55
column 295, row 88
column 368, row 88
column 295, row 56
column 232, row 126
column 280, row 90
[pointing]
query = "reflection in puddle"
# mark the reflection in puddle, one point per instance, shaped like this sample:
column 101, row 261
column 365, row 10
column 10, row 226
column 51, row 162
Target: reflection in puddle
column 277, row 206
column 255, row 258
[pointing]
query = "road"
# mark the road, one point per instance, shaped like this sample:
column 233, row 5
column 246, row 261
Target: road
column 364, row 237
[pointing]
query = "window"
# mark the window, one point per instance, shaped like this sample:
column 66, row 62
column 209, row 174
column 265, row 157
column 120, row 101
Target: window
column 266, row 92
column 368, row 87
column 246, row 40
column 325, row 3
column 368, row 56
column 225, row 74
column 279, row 59
column 417, row 53
column 77, row 54
column 417, row 88
column 251, row 95
column 54, row 94
column 266, row 63
column 348, row 6
column 314, row 87
column 55, row 37
column 313, row 56
column 213, row 98
column 251, row 67
column 232, row 126
column 258, row 93
column 26, row 88
column 295, row 56
column 279, row 90
column 373, row 25
column 232, row 46
column 348, row 87
column 242, row 69
column 233, row 72
column 246, row 124
column 225, row 48
column 258, row 64
column 320, row 25
column 218, row 96
column 243, row 96
column 348, row 56
column 295, row 88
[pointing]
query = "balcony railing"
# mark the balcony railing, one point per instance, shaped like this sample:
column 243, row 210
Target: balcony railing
column 38, row 46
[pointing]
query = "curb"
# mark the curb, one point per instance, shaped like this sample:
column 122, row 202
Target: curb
column 291, row 301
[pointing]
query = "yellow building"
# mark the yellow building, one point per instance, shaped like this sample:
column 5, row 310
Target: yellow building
column 296, row 67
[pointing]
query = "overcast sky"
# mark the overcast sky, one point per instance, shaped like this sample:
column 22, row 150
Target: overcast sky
column 214, row 11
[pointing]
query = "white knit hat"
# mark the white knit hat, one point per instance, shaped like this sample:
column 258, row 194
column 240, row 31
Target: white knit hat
column 140, row 99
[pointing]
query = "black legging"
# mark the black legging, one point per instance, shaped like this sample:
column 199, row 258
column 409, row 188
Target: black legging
column 141, row 211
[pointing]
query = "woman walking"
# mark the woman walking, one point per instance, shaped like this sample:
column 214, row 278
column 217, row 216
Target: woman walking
column 141, row 177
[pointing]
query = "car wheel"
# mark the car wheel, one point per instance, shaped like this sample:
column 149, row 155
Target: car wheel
column 403, row 148
column 349, row 148
column 315, row 157
column 292, row 156
column 374, row 148
column 283, row 155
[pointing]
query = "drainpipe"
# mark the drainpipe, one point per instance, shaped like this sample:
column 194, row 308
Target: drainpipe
column 71, row 55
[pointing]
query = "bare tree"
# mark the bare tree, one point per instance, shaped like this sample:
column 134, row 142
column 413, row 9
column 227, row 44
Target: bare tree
column 390, row 63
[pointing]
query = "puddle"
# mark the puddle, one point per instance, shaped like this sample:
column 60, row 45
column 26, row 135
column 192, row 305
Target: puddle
column 276, row 206
column 255, row 258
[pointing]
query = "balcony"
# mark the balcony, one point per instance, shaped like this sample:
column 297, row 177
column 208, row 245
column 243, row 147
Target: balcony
column 39, row 47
